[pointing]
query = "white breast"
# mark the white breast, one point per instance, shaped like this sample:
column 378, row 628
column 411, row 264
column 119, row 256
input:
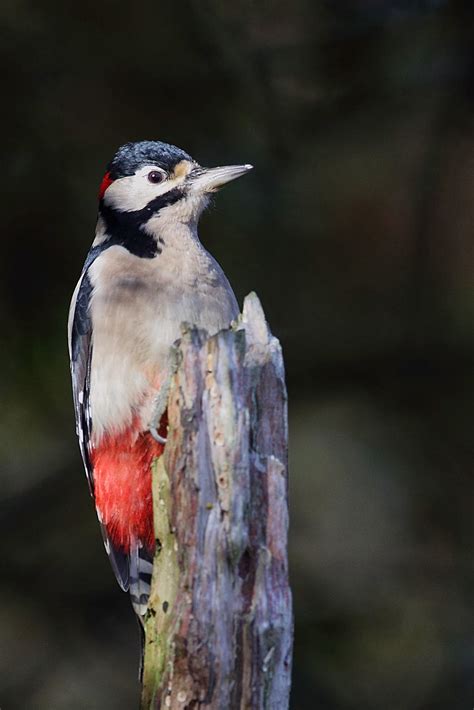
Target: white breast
column 137, row 307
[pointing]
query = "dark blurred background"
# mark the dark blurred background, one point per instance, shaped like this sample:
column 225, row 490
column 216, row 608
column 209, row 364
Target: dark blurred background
column 355, row 229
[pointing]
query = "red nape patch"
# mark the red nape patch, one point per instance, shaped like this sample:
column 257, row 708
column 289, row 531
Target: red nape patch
column 122, row 485
column 106, row 182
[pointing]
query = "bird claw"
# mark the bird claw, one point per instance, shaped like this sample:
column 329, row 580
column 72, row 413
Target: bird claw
column 156, row 436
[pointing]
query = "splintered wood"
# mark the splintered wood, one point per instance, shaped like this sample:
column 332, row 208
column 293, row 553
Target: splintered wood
column 219, row 624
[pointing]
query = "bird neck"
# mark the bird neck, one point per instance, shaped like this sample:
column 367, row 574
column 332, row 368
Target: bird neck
column 125, row 229
column 145, row 236
column 173, row 230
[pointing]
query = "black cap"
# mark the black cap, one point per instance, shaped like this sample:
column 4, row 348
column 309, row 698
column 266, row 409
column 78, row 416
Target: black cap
column 132, row 156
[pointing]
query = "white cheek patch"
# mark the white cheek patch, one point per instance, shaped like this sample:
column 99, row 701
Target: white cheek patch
column 134, row 192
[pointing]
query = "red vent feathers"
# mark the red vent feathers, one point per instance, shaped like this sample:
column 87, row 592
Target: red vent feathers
column 122, row 482
column 106, row 181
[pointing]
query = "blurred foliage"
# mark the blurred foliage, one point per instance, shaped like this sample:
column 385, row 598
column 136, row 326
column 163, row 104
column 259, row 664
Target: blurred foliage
column 356, row 231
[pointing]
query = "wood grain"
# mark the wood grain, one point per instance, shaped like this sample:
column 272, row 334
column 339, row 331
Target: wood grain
column 219, row 626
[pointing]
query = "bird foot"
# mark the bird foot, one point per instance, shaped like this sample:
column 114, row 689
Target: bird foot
column 157, row 437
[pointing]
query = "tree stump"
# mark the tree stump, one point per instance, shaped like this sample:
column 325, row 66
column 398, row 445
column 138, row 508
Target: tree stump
column 218, row 631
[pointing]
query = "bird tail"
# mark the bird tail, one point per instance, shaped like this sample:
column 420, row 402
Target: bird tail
column 141, row 568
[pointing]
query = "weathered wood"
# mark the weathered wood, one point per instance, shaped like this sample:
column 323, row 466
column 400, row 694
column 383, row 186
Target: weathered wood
column 219, row 625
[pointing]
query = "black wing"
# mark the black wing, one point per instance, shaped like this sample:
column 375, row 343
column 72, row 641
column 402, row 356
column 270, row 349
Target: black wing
column 80, row 351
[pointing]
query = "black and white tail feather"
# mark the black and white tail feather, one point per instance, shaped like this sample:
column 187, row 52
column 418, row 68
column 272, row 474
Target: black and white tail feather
column 141, row 569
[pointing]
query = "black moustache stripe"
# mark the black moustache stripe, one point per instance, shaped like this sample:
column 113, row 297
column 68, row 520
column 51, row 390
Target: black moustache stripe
column 126, row 228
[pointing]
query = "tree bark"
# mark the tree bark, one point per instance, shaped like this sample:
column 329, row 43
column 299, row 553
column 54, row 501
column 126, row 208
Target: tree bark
column 218, row 632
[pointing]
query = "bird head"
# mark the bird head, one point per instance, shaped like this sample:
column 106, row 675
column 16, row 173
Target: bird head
column 150, row 178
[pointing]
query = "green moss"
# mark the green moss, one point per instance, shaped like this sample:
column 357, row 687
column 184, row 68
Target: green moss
column 160, row 618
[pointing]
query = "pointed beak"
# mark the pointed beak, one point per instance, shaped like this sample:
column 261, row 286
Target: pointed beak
column 211, row 179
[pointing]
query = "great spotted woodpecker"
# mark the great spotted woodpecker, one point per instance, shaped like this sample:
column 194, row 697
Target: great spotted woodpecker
column 145, row 274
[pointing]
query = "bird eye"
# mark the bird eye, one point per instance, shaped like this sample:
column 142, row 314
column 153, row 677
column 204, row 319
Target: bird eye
column 156, row 176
